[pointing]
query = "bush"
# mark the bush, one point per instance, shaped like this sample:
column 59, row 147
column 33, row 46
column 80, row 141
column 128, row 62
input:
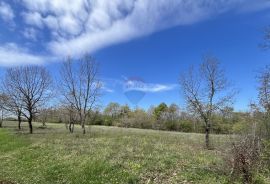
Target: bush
column 186, row 126
column 135, row 119
column 266, row 154
column 244, row 159
column 97, row 121
column 241, row 127
column 108, row 121
column 172, row 125
column 221, row 128
column 135, row 122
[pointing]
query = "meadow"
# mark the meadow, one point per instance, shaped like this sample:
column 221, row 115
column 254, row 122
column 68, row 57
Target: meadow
column 108, row 155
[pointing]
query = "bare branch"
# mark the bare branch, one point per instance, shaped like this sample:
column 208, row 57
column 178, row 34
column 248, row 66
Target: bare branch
column 80, row 86
column 206, row 91
column 28, row 89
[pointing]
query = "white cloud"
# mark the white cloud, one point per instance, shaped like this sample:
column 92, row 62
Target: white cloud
column 159, row 87
column 112, row 22
column 108, row 90
column 136, row 84
column 70, row 25
column 6, row 13
column 51, row 22
column 79, row 26
column 149, row 87
column 13, row 55
column 33, row 19
column 86, row 26
column 104, row 87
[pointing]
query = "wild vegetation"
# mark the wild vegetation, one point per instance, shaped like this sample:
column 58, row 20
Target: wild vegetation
column 55, row 151
column 110, row 155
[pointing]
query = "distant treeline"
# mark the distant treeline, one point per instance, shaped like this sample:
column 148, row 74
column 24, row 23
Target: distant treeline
column 161, row 117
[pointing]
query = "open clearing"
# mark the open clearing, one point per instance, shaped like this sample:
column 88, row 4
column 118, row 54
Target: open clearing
column 108, row 155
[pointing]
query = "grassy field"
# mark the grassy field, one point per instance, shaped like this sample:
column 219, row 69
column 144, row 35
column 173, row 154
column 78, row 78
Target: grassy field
column 108, row 155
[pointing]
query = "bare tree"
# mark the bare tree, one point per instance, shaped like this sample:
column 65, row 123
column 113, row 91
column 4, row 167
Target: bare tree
column 80, row 86
column 264, row 88
column 206, row 91
column 3, row 100
column 264, row 98
column 64, row 114
column 29, row 88
column 69, row 116
column 113, row 109
column 12, row 102
column 44, row 115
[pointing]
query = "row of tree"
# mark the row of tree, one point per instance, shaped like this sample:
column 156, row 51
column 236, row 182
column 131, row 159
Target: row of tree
column 161, row 117
column 28, row 90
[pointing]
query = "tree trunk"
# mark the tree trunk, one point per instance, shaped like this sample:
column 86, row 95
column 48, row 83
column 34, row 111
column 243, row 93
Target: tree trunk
column 247, row 178
column 83, row 127
column 70, row 130
column 71, row 127
column 207, row 132
column 19, row 122
column 44, row 123
column 30, row 126
column 67, row 125
column 1, row 120
column 82, row 122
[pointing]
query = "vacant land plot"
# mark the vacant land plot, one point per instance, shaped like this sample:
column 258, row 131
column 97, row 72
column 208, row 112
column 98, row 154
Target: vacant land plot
column 108, row 155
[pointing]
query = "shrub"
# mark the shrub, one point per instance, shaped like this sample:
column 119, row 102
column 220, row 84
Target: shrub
column 244, row 159
column 241, row 127
column 136, row 119
column 221, row 128
column 136, row 122
column 108, row 121
column 266, row 154
column 172, row 125
column 186, row 126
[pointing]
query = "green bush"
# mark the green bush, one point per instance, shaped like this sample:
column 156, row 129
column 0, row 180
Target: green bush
column 221, row 128
column 240, row 127
column 108, row 121
column 186, row 126
column 172, row 125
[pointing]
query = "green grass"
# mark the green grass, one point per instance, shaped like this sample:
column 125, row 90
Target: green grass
column 108, row 155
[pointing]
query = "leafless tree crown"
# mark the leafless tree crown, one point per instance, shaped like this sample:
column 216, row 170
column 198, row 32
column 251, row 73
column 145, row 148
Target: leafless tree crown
column 80, row 85
column 264, row 88
column 206, row 90
column 28, row 89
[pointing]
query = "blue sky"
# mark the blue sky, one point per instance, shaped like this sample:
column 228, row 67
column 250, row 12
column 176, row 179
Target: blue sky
column 146, row 42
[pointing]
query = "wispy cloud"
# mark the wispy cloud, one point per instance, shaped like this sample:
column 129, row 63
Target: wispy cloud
column 108, row 90
column 86, row 26
column 76, row 27
column 105, row 88
column 12, row 55
column 6, row 12
column 136, row 84
column 148, row 87
column 155, row 88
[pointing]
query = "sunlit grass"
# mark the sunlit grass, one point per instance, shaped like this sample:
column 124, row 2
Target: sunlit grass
column 108, row 155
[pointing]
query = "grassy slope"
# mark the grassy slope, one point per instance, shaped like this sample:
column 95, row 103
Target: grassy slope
column 108, row 155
